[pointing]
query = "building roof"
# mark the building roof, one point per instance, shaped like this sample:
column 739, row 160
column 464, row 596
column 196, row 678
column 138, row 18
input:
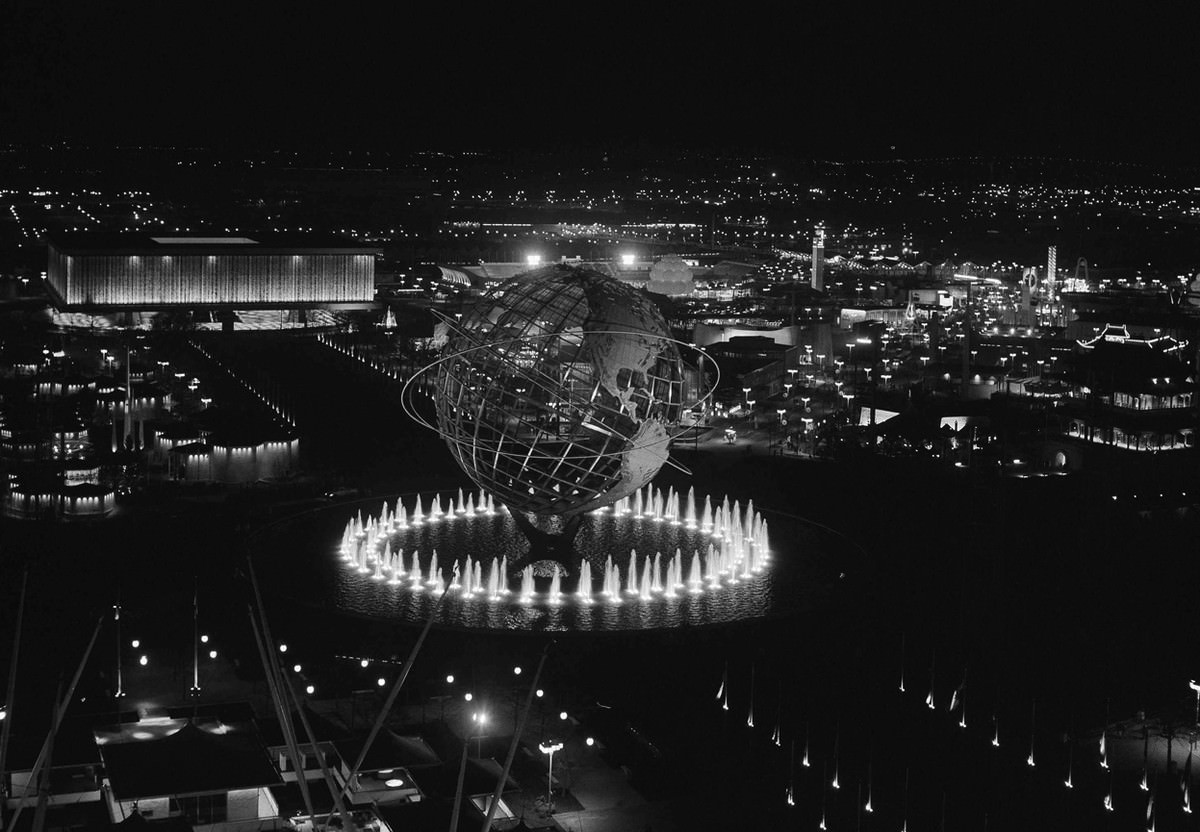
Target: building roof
column 120, row 243
column 179, row 430
column 322, row 729
column 429, row 816
column 74, row 745
column 480, row 778
column 179, row 757
column 390, row 750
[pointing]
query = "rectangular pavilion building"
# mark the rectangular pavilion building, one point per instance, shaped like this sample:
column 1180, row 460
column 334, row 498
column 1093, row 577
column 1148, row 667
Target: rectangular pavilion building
column 144, row 272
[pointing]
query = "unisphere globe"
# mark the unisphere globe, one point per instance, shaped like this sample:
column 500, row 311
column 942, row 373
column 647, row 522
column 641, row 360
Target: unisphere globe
column 558, row 392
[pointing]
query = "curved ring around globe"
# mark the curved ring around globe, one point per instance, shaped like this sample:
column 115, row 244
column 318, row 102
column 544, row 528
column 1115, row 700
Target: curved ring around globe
column 410, row 409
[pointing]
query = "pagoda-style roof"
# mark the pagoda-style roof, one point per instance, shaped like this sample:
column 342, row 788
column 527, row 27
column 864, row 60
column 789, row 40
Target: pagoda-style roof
column 1120, row 334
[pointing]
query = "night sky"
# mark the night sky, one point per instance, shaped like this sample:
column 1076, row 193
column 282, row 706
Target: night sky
column 861, row 83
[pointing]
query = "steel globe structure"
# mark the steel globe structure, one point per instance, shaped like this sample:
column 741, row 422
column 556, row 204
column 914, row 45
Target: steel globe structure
column 558, row 394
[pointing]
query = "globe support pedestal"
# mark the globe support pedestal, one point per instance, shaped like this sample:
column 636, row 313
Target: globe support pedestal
column 557, row 545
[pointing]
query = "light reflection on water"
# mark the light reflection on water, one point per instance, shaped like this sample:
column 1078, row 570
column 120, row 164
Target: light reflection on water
column 298, row 559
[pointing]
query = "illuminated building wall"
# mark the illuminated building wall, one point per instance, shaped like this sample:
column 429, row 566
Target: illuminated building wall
column 236, row 464
column 189, row 274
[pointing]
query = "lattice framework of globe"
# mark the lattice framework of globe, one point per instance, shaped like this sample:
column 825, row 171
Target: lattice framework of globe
column 559, row 391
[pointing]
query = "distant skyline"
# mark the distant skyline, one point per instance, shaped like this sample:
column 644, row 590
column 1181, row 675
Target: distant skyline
column 867, row 84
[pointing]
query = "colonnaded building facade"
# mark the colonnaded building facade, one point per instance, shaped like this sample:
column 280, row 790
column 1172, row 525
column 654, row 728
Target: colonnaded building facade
column 224, row 281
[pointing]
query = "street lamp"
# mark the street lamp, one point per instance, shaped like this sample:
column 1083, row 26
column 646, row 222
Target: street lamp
column 549, row 748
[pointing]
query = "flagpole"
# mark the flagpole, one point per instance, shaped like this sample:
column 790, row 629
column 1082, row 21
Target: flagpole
column 117, row 620
column 1032, row 729
column 932, row 677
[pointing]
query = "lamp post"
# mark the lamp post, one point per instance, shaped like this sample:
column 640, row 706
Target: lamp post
column 516, row 697
column 549, row 748
column 480, row 719
column 117, row 618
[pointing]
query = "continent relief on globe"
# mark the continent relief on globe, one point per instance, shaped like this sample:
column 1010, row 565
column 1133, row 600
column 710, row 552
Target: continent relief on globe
column 608, row 361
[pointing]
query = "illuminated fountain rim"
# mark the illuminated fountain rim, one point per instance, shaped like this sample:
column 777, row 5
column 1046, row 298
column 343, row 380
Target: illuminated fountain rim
column 411, row 410
column 738, row 551
column 810, row 559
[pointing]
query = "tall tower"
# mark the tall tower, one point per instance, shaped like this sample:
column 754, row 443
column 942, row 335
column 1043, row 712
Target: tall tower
column 1052, row 283
column 818, row 258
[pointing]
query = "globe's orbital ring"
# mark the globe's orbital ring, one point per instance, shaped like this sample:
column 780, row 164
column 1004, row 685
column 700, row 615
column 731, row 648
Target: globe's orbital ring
column 549, row 385
column 410, row 410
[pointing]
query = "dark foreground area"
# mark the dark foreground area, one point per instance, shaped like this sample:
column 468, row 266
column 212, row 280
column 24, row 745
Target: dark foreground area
column 1036, row 606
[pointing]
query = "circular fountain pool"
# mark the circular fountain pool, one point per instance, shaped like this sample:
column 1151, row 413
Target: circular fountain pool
column 654, row 560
